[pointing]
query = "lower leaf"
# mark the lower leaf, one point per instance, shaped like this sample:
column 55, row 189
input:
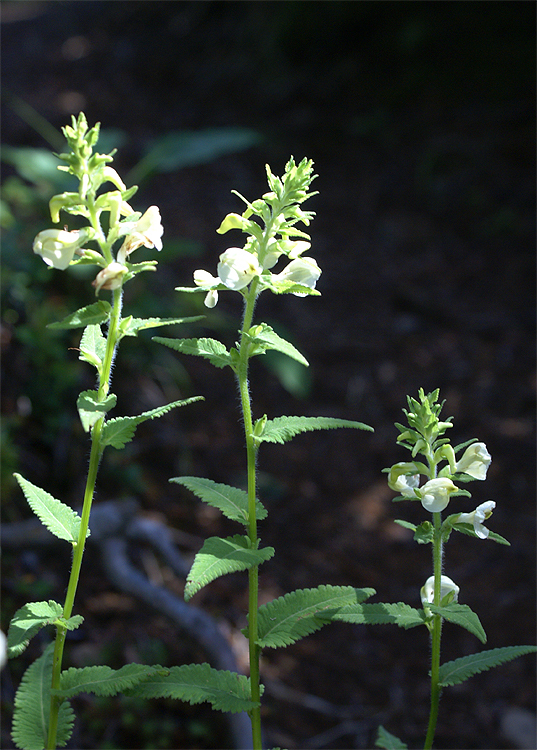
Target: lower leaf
column 459, row 670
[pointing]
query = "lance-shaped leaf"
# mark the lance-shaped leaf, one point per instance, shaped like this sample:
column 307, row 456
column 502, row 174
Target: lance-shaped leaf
column 32, row 707
column 94, row 314
column 210, row 349
column 459, row 670
column 103, row 680
column 60, row 519
column 285, row 620
column 130, row 326
column 90, row 409
column 263, row 337
column 283, row 429
column 462, row 615
column 378, row 613
column 120, row 431
column 199, row 683
column 388, row 741
column 219, row 556
column 28, row 620
column 230, row 500
column 93, row 346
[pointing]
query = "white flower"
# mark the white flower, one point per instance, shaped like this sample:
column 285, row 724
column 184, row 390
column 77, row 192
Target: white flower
column 475, row 461
column 237, row 268
column 476, row 518
column 435, row 494
column 57, row 247
column 402, row 482
column 147, row 231
column 110, row 277
column 206, row 280
column 446, row 586
column 303, row 271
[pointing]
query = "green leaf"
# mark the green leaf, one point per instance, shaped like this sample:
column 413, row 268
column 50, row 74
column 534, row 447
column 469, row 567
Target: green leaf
column 468, row 529
column 285, row 620
column 263, row 337
column 230, row 500
column 388, row 741
column 282, row 429
column 93, row 346
column 27, row 621
column 379, row 613
column 93, row 314
column 462, row 615
column 211, row 349
column 120, row 431
column 32, row 707
column 130, row 326
column 405, row 524
column 219, row 556
column 199, row 683
column 90, row 409
column 103, row 680
column 459, row 670
column 60, row 519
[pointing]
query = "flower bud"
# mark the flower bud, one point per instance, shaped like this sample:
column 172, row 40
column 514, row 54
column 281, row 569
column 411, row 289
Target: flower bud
column 237, row 268
column 446, row 587
column 303, row 271
column 475, row 461
column 110, row 277
column 404, row 479
column 57, row 247
column 231, row 221
column 62, row 200
column 476, row 518
column 435, row 494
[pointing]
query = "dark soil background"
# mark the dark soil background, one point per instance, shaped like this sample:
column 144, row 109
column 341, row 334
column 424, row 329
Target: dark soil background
column 420, row 118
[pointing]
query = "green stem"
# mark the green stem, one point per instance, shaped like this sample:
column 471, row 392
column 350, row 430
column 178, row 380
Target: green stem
column 253, row 586
column 436, row 634
column 78, row 551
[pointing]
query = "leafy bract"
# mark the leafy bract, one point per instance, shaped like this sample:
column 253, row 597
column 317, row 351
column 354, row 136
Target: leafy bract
column 60, row 519
column 93, row 346
column 263, row 337
column 94, row 314
column 388, row 741
column 459, row 670
column 32, row 707
column 467, row 528
column 230, row 500
column 103, row 680
column 378, row 613
column 285, row 620
column 90, row 409
column 199, row 683
column 28, row 620
column 130, row 326
column 282, row 429
column 120, row 431
column 462, row 615
column 219, row 556
column 210, row 349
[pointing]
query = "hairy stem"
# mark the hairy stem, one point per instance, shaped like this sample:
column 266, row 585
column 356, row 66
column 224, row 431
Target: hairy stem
column 436, row 633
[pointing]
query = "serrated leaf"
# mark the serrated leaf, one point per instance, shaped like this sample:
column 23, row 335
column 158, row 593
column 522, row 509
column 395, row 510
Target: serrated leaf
column 462, row 615
column 378, row 613
column 283, row 429
column 94, row 314
column 60, row 519
column 266, row 338
column 120, row 431
column 32, row 707
column 27, row 621
column 468, row 529
column 102, row 680
column 459, row 670
column 90, row 409
column 285, row 620
column 230, row 500
column 218, row 557
column 388, row 741
column 93, row 346
column 130, row 326
column 199, row 683
column 210, row 349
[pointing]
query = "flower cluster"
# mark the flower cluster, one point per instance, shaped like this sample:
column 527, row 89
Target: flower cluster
column 279, row 211
column 60, row 248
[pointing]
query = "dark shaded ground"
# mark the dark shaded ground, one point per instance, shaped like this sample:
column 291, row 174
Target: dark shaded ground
column 420, row 120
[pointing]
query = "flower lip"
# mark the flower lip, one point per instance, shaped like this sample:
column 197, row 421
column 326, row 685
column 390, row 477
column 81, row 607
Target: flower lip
column 147, row 231
column 435, row 494
column 237, row 268
column 476, row 518
column 57, row 247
